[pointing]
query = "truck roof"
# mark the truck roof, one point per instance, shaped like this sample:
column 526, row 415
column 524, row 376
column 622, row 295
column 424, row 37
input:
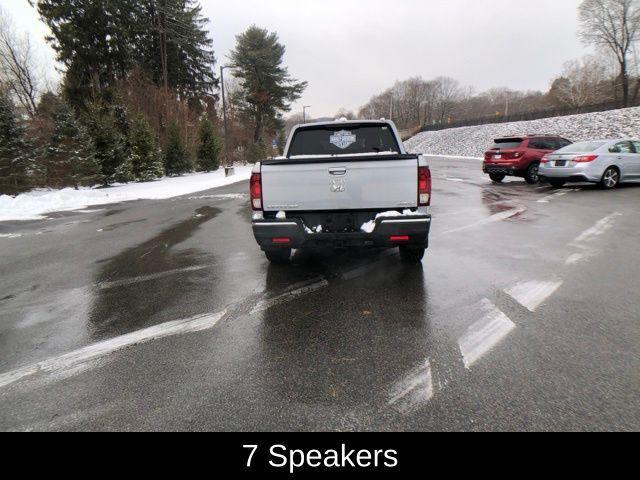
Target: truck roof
column 342, row 122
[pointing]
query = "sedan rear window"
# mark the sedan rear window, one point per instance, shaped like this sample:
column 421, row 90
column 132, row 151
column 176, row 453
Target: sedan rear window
column 581, row 147
column 344, row 140
column 507, row 143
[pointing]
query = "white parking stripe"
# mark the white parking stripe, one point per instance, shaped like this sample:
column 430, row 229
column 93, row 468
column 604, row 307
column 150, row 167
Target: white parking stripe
column 154, row 276
column 552, row 196
column 493, row 218
column 98, row 350
column 532, row 294
column 288, row 296
column 414, row 390
column 485, row 334
column 598, row 229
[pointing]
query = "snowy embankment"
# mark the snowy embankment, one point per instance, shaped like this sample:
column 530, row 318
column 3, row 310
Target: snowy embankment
column 36, row 204
column 474, row 141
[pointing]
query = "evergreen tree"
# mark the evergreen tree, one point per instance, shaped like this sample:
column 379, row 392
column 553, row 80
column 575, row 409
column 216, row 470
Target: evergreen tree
column 101, row 42
column 177, row 160
column 95, row 41
column 70, row 155
column 186, row 55
column 109, row 140
column 144, row 157
column 209, row 148
column 14, row 154
column 267, row 90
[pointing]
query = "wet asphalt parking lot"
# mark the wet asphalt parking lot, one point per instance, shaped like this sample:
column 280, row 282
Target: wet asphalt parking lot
column 165, row 315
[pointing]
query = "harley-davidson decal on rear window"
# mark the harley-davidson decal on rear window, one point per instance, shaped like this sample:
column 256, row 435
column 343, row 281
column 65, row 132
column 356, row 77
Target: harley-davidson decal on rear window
column 342, row 139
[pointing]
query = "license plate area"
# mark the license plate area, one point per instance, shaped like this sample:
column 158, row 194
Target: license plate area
column 561, row 163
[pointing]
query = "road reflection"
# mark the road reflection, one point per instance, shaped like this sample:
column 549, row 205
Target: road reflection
column 343, row 344
column 133, row 287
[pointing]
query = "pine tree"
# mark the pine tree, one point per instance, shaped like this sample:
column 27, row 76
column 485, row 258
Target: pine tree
column 209, row 148
column 70, row 155
column 144, row 157
column 14, row 154
column 109, row 141
column 267, row 90
column 101, row 42
column 177, row 160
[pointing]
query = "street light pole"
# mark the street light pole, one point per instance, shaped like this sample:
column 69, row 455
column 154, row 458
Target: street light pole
column 304, row 113
column 224, row 115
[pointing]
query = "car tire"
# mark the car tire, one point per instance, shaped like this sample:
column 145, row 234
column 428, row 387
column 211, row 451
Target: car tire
column 610, row 178
column 412, row 254
column 532, row 176
column 496, row 177
column 278, row 256
column 557, row 183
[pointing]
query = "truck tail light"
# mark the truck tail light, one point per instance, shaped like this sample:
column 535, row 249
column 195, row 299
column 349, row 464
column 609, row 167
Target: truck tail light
column 255, row 188
column 424, row 186
column 281, row 241
column 585, row 158
column 399, row 238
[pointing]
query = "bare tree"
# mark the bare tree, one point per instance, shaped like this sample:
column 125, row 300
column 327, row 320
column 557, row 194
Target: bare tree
column 17, row 66
column 614, row 24
column 581, row 83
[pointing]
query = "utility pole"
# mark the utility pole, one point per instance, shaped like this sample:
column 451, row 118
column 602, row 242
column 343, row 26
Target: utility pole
column 304, row 113
column 224, row 115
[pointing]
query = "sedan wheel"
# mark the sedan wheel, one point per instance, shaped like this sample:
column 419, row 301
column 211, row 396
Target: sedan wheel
column 610, row 179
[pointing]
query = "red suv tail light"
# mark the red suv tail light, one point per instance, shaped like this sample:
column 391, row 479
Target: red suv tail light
column 585, row 158
column 513, row 155
column 424, row 186
column 255, row 189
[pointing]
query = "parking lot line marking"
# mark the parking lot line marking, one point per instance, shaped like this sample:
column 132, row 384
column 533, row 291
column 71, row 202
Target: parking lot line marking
column 485, row 334
column 83, row 355
column 414, row 390
column 532, row 294
column 599, row 228
column 548, row 198
column 287, row 296
column 154, row 276
column 493, row 218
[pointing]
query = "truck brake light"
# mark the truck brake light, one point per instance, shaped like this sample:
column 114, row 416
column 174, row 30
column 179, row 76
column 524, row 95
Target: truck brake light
column 255, row 189
column 424, row 186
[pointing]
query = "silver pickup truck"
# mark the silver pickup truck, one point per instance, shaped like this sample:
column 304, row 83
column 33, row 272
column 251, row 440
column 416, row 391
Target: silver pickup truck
column 342, row 184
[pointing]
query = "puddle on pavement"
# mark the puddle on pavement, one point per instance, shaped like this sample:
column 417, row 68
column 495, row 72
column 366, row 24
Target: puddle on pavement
column 333, row 342
column 137, row 304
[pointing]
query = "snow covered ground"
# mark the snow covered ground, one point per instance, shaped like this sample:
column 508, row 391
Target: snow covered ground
column 474, row 141
column 36, row 204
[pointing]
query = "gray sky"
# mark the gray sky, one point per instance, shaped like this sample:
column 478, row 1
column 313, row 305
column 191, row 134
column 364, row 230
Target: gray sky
column 349, row 50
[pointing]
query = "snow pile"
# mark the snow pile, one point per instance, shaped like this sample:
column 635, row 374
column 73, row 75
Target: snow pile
column 370, row 226
column 34, row 205
column 474, row 141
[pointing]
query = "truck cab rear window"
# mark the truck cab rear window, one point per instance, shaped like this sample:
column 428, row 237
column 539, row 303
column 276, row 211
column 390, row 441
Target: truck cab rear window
column 343, row 140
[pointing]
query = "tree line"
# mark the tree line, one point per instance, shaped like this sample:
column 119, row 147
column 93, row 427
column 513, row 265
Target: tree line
column 611, row 76
column 139, row 96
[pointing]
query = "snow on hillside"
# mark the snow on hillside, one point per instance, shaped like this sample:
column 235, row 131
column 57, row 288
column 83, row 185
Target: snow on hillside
column 474, row 141
column 34, row 205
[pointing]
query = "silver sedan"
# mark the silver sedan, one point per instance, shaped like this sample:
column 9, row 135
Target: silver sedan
column 606, row 162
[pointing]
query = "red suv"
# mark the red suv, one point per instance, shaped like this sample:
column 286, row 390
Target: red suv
column 520, row 156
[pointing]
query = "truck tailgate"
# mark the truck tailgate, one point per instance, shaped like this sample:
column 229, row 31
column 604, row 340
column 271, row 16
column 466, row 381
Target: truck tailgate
column 342, row 185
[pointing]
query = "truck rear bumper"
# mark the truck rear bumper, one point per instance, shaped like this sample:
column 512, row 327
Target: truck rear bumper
column 388, row 232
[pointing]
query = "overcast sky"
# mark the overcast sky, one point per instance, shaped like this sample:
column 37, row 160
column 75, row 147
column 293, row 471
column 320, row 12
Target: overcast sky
column 349, row 50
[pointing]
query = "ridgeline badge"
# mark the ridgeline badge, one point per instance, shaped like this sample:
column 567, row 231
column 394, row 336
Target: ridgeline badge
column 343, row 139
